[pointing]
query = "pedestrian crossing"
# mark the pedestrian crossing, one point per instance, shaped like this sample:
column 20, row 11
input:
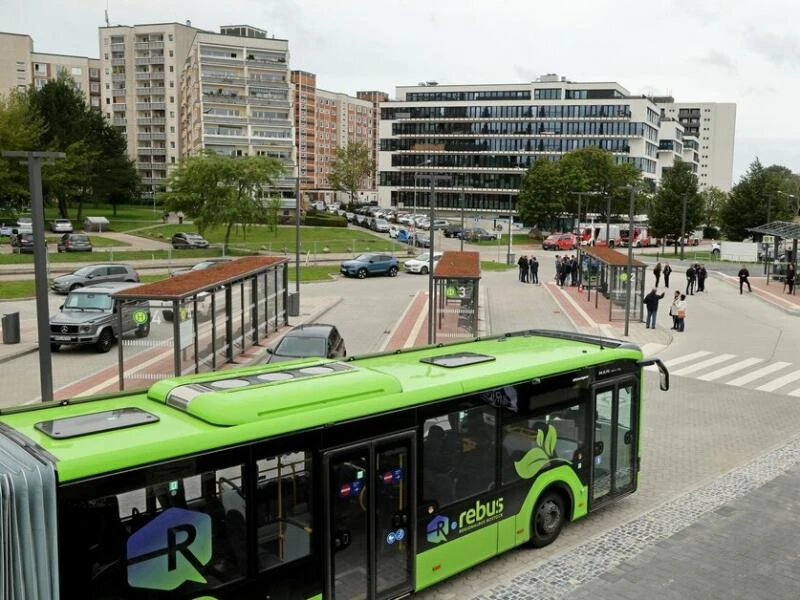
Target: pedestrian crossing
column 729, row 369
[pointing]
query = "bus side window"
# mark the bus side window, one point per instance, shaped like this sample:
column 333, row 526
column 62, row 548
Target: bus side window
column 284, row 508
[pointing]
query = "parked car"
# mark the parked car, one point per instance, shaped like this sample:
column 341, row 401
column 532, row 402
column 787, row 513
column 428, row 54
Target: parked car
column 422, row 239
column 89, row 317
column 560, row 241
column 74, row 242
column 22, row 243
column 25, row 225
column 304, row 341
column 421, row 263
column 370, row 264
column 205, row 264
column 452, row 231
column 61, row 226
column 188, row 241
column 6, row 230
column 478, row 234
column 380, row 225
column 440, row 224
column 93, row 274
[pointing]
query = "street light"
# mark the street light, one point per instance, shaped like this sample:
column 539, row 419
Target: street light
column 683, row 224
column 414, row 210
column 629, row 267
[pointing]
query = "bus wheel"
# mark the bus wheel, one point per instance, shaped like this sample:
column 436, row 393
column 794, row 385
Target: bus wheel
column 548, row 519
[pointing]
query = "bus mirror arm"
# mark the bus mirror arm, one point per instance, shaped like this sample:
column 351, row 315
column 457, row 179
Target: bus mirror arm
column 662, row 371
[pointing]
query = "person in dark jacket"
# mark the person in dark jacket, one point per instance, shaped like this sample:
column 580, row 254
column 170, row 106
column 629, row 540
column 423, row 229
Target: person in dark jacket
column 651, row 303
column 691, row 275
column 791, row 276
column 702, row 275
column 666, row 271
column 533, row 267
column 744, row 275
column 523, row 268
column 657, row 273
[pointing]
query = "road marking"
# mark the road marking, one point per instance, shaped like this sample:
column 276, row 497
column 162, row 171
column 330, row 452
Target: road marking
column 682, row 359
column 794, row 393
column 702, row 365
column 779, row 382
column 411, row 340
column 776, row 366
column 742, row 364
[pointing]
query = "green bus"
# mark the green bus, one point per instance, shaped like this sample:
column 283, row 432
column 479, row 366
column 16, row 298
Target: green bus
column 366, row 478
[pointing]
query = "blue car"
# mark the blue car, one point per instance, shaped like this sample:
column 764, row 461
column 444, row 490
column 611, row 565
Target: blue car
column 370, row 263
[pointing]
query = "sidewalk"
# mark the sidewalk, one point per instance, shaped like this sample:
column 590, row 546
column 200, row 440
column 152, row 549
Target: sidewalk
column 774, row 292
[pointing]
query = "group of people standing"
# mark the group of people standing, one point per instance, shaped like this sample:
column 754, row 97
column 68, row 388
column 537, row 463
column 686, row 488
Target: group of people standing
column 696, row 276
column 528, row 269
column 566, row 270
column 677, row 309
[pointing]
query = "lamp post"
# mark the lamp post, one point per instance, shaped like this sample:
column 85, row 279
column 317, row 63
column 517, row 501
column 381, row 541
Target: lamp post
column 297, row 240
column 462, row 221
column 629, row 266
column 683, row 224
column 414, row 210
column 430, row 265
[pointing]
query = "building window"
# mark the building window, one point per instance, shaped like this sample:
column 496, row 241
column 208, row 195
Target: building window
column 170, row 37
column 172, row 99
column 171, row 53
column 171, row 69
column 172, row 144
column 172, row 114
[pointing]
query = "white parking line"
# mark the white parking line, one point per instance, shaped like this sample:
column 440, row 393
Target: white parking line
column 776, row 366
column 704, row 364
column 742, row 364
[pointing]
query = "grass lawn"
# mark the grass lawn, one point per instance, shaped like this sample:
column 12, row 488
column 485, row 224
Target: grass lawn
column 312, row 239
column 490, row 265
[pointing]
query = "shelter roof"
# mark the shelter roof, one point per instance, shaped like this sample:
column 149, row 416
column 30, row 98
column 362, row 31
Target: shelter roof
column 190, row 283
column 783, row 229
column 459, row 265
column 610, row 256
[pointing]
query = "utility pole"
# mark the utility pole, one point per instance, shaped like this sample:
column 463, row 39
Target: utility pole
column 431, row 231
column 629, row 267
column 35, row 160
column 683, row 225
column 462, row 221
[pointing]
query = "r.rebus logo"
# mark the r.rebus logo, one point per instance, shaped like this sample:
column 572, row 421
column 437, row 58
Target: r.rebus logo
column 440, row 526
column 169, row 550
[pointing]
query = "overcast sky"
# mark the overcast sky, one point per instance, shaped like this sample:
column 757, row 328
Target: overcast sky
column 696, row 50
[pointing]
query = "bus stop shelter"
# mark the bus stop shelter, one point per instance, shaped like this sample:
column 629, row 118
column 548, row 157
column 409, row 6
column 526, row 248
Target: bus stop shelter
column 201, row 320
column 604, row 272
column 780, row 231
column 456, row 281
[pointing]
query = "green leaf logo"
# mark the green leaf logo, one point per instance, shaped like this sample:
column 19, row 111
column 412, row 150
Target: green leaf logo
column 540, row 455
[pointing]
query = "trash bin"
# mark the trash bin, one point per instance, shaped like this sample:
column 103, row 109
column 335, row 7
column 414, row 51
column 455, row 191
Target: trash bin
column 511, row 258
column 293, row 305
column 10, row 323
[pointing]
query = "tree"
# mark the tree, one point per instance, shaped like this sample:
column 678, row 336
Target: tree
column 273, row 206
column 714, row 200
column 21, row 128
column 107, row 174
column 755, row 200
column 678, row 184
column 215, row 190
column 541, row 194
column 352, row 166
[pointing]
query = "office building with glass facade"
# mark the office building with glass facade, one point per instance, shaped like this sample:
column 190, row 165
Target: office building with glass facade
column 485, row 137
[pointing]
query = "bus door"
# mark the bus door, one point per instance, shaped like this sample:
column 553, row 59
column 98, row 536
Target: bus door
column 369, row 493
column 614, row 447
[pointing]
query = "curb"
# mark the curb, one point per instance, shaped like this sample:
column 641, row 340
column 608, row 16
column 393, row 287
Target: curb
column 18, row 354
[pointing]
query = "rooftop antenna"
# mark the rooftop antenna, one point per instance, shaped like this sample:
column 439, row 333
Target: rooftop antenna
column 107, row 23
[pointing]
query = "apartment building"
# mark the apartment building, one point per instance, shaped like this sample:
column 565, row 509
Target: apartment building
column 141, row 67
column 713, row 124
column 326, row 121
column 21, row 67
column 375, row 97
column 485, row 137
column 236, row 97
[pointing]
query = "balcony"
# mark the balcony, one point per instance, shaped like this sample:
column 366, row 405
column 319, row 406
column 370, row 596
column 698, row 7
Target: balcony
column 211, row 118
column 151, row 121
column 152, row 180
column 145, row 137
column 267, row 102
column 152, row 151
column 151, row 106
column 118, row 77
column 224, row 99
column 223, row 60
column 119, row 122
column 157, row 60
column 118, row 46
column 147, row 75
column 212, row 78
column 118, row 62
column 155, row 45
column 119, row 106
column 150, row 91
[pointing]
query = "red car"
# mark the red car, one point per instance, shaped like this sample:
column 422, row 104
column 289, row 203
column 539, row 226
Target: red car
column 561, row 241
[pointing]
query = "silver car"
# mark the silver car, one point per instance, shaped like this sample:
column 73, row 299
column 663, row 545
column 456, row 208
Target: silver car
column 93, row 274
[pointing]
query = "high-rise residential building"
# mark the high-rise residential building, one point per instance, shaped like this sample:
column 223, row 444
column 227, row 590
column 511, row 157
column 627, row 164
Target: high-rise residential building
column 236, row 97
column 141, row 67
column 713, row 124
column 326, row 121
column 21, row 67
column 376, row 98
column 485, row 137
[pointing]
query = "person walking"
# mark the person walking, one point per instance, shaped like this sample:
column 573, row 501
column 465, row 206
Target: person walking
column 666, row 271
column 791, row 276
column 651, row 302
column 744, row 276
column 680, row 307
column 558, row 268
column 673, row 309
column 657, row 273
column 690, row 279
column 533, row 265
column 523, row 268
